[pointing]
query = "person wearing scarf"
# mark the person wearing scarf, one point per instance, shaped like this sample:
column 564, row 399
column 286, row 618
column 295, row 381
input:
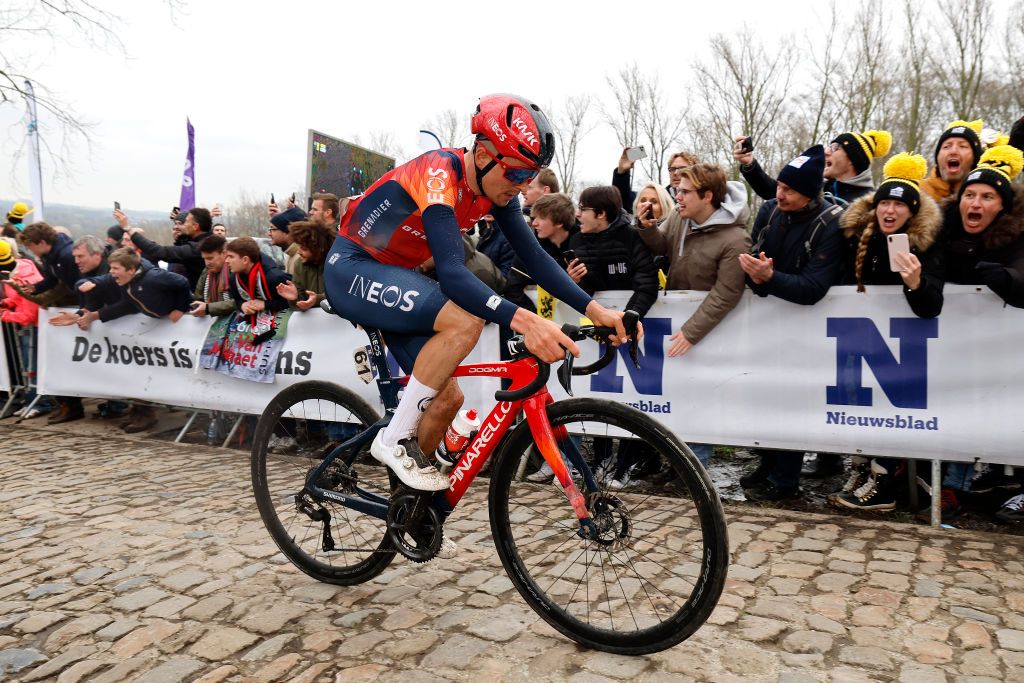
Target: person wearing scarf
column 253, row 284
column 212, row 294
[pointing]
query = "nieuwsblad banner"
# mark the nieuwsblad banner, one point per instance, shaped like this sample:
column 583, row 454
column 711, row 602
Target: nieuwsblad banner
column 856, row 373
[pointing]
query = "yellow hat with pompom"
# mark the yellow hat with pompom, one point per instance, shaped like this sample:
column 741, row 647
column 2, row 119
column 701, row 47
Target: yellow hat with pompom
column 903, row 175
column 863, row 148
column 997, row 169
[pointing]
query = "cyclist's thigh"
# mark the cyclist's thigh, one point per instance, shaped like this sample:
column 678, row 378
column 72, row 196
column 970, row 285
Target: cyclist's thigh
column 405, row 348
column 390, row 298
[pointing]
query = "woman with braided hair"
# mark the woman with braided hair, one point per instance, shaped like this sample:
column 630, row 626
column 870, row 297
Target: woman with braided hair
column 896, row 207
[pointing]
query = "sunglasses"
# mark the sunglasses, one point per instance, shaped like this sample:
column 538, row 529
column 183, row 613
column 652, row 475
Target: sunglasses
column 514, row 174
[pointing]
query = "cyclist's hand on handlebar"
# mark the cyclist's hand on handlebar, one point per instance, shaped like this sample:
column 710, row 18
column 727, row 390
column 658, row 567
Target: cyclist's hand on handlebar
column 606, row 317
column 543, row 338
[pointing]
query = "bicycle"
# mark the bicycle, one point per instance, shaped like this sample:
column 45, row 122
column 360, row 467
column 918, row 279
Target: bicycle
column 625, row 573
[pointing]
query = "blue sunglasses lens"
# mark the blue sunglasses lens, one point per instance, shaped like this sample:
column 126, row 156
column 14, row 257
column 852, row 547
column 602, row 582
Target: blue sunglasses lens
column 518, row 176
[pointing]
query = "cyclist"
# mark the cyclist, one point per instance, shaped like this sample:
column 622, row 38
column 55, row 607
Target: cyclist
column 420, row 210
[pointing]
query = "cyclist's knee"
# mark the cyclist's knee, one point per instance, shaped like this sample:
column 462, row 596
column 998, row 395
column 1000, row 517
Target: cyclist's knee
column 461, row 327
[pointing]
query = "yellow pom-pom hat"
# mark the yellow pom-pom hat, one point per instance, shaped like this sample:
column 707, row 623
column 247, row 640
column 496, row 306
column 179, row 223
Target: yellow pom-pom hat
column 968, row 130
column 997, row 169
column 862, row 148
column 903, row 175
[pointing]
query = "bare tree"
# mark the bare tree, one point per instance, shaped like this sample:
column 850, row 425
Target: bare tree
column 660, row 123
column 24, row 24
column 570, row 125
column 247, row 215
column 865, row 83
column 919, row 104
column 1013, row 52
column 383, row 142
column 820, row 104
column 627, row 88
column 744, row 88
column 959, row 62
column 449, row 126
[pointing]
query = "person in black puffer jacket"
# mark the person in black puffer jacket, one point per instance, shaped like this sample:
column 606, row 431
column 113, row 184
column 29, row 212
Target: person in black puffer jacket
column 609, row 252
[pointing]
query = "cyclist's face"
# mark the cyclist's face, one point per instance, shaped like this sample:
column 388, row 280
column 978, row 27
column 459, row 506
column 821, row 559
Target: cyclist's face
column 496, row 186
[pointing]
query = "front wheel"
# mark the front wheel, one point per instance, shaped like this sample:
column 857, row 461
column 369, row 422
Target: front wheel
column 657, row 569
column 298, row 429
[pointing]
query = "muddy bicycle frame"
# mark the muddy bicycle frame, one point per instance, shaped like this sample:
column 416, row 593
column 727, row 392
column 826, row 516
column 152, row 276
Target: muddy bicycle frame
column 528, row 392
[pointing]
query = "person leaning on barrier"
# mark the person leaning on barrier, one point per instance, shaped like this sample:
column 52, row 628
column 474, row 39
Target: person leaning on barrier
column 611, row 256
column 184, row 251
column 148, row 290
column 897, row 207
column 702, row 240
column 306, row 289
column 796, row 257
column 57, row 288
column 554, row 222
column 212, row 293
column 253, row 283
column 19, row 311
column 847, row 172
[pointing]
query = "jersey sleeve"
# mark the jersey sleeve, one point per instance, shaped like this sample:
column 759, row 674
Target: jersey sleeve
column 456, row 280
column 539, row 265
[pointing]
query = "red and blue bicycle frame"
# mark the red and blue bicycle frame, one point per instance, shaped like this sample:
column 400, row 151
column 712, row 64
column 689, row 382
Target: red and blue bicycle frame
column 522, row 373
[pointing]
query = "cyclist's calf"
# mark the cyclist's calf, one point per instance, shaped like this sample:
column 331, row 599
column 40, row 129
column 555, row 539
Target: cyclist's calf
column 439, row 415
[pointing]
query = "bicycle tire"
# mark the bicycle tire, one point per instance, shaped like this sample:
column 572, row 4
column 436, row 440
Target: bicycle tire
column 277, row 477
column 689, row 590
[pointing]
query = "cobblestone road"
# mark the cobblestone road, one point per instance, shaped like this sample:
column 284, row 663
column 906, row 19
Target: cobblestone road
column 125, row 559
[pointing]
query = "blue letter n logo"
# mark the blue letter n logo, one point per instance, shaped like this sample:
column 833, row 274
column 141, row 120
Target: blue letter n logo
column 905, row 382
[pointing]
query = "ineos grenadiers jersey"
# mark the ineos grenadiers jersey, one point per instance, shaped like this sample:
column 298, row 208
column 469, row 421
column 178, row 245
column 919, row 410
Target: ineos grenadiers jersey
column 387, row 221
column 421, row 209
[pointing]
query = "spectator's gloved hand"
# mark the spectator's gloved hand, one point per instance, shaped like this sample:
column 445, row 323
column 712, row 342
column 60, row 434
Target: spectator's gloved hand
column 1017, row 134
column 993, row 275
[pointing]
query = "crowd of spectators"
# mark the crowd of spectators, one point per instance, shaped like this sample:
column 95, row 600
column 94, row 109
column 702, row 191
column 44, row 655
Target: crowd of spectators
column 822, row 222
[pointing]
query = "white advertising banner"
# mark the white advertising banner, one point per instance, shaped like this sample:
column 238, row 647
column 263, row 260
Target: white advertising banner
column 856, row 373
column 156, row 360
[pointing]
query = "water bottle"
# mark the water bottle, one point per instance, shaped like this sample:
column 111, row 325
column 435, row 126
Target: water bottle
column 460, row 431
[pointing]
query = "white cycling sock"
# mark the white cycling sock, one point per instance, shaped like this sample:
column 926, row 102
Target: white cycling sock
column 410, row 409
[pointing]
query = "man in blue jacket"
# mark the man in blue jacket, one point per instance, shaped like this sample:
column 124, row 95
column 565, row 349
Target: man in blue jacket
column 796, row 256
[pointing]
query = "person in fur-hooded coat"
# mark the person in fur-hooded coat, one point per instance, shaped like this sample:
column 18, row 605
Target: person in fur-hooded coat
column 898, row 206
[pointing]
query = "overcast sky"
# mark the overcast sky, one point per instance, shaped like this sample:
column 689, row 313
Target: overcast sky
column 254, row 76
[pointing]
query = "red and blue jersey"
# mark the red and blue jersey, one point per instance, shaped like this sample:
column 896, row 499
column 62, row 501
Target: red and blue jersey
column 387, row 221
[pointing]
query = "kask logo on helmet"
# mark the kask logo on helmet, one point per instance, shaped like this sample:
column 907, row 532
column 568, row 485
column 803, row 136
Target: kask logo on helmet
column 525, row 131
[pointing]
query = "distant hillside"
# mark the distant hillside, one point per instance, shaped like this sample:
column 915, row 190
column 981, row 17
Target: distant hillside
column 82, row 220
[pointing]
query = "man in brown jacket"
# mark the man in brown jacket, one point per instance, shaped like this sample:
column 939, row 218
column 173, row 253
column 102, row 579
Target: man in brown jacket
column 703, row 240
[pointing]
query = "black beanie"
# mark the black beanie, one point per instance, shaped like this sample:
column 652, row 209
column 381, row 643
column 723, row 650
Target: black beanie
column 282, row 220
column 862, row 148
column 805, row 173
column 903, row 175
column 965, row 130
column 997, row 168
column 115, row 232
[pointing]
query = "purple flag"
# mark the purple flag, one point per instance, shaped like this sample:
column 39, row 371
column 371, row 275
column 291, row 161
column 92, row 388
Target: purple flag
column 188, row 180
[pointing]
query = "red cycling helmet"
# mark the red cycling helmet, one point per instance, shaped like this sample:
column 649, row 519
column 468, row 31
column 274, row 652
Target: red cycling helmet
column 516, row 127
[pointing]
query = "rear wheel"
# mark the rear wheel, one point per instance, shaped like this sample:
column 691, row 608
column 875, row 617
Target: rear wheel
column 299, row 427
column 657, row 569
